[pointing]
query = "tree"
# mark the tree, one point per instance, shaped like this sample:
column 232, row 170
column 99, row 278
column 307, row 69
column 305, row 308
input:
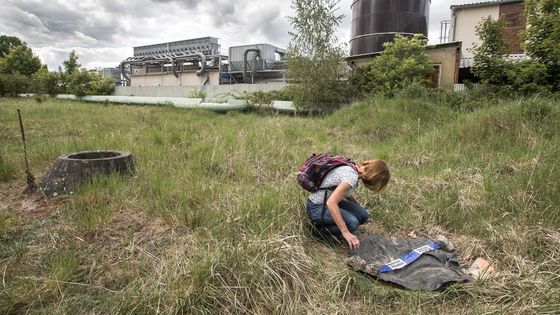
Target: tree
column 489, row 61
column 542, row 37
column 20, row 60
column 404, row 61
column 71, row 65
column 314, row 55
column 7, row 42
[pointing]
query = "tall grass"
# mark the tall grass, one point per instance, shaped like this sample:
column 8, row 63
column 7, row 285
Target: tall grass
column 213, row 222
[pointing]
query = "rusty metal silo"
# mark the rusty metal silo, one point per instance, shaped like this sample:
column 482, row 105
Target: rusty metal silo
column 375, row 22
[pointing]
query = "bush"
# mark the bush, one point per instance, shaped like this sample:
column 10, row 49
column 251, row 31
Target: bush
column 81, row 83
column 450, row 99
column 101, row 85
column 359, row 82
column 46, row 82
column 403, row 63
column 527, row 77
column 13, row 84
column 260, row 97
column 413, row 89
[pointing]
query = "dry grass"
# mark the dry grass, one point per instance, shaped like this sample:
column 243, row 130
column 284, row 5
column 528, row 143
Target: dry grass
column 214, row 223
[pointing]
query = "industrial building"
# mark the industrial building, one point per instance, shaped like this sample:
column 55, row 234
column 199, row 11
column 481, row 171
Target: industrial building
column 465, row 18
column 198, row 62
column 260, row 63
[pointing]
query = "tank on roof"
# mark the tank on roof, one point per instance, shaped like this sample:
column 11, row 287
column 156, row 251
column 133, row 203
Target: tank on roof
column 375, row 22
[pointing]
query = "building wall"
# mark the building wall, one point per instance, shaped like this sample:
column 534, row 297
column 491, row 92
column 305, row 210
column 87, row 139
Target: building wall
column 466, row 19
column 464, row 25
column 213, row 93
column 447, row 57
column 168, row 79
column 514, row 24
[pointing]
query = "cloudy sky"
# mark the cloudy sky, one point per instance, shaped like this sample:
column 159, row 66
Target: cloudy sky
column 103, row 32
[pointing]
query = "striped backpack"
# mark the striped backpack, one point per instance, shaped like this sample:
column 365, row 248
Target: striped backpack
column 316, row 167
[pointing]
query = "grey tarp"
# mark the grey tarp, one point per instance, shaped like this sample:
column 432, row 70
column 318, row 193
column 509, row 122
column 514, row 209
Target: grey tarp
column 431, row 271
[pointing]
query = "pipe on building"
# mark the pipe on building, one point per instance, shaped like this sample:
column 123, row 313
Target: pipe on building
column 202, row 63
column 453, row 24
column 282, row 53
column 128, row 62
column 123, row 71
column 173, row 66
column 170, row 59
column 245, row 54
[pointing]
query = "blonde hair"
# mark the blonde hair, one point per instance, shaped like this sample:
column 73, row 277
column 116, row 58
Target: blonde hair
column 375, row 175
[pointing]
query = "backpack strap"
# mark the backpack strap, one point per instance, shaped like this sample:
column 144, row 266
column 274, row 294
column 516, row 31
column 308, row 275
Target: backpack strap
column 323, row 210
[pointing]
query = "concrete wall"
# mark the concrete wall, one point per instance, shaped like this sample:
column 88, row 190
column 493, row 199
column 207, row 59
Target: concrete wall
column 464, row 25
column 447, row 56
column 215, row 93
column 168, row 79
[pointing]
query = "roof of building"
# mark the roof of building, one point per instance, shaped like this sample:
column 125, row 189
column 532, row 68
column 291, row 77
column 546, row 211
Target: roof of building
column 468, row 62
column 428, row 47
column 482, row 4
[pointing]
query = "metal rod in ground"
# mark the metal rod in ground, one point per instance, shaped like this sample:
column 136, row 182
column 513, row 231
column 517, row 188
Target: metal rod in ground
column 31, row 186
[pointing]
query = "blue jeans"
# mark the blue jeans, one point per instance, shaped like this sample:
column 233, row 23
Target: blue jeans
column 353, row 215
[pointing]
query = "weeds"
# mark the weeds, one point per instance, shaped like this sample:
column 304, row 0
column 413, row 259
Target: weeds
column 7, row 168
column 213, row 221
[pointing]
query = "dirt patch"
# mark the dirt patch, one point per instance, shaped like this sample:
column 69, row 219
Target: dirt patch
column 29, row 206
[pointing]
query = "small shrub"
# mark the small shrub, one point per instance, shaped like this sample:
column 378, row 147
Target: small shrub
column 415, row 90
column 450, row 99
column 46, row 82
column 527, row 77
column 81, row 83
column 404, row 62
column 261, row 97
column 13, row 84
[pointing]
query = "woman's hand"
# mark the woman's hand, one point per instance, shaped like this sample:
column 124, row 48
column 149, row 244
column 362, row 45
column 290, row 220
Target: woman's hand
column 352, row 240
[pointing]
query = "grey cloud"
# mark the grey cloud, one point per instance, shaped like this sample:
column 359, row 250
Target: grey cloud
column 188, row 4
column 271, row 25
column 58, row 26
column 62, row 20
column 225, row 12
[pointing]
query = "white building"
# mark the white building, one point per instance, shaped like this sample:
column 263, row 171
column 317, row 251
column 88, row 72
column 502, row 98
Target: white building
column 465, row 18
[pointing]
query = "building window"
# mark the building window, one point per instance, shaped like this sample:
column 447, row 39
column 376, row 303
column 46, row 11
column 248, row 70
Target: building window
column 435, row 77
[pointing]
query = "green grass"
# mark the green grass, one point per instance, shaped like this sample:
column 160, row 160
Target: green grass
column 214, row 222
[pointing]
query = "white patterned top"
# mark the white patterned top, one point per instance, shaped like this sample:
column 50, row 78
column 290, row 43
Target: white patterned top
column 341, row 174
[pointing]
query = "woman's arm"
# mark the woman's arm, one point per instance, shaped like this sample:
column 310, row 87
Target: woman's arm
column 332, row 203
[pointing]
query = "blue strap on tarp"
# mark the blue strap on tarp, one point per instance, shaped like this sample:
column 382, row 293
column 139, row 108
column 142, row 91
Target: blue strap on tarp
column 408, row 258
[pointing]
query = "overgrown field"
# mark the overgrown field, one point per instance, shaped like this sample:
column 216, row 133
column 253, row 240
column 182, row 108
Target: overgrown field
column 214, row 222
